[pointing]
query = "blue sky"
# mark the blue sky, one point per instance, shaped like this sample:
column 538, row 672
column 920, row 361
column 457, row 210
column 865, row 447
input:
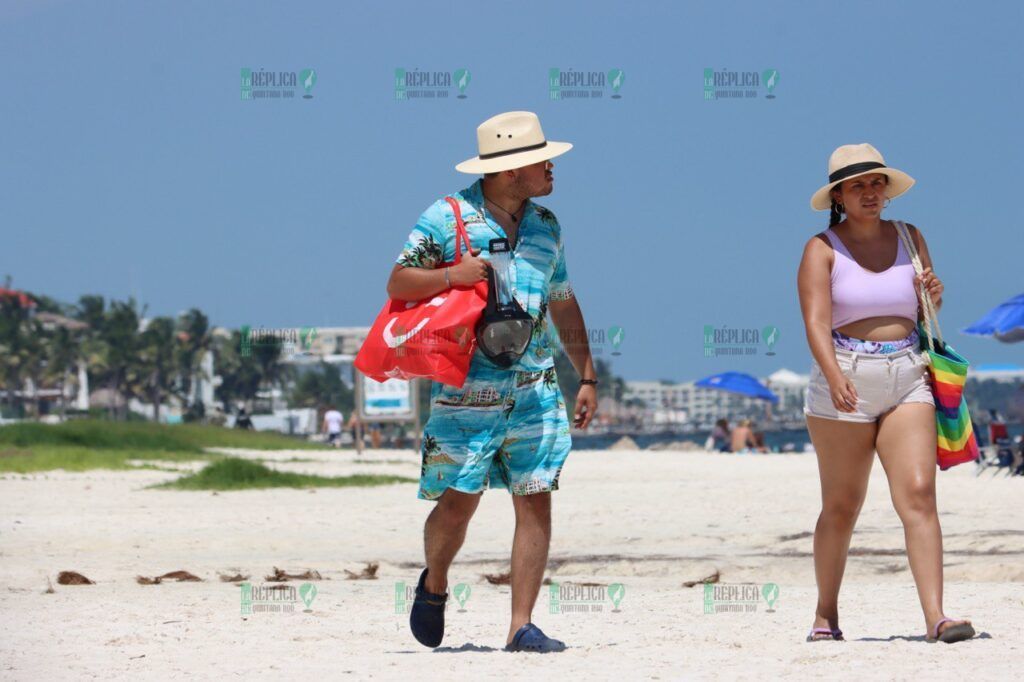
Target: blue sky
column 131, row 166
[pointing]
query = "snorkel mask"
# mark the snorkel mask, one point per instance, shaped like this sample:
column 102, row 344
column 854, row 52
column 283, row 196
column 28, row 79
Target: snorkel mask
column 504, row 330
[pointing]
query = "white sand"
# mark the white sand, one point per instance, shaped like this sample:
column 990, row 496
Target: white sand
column 648, row 520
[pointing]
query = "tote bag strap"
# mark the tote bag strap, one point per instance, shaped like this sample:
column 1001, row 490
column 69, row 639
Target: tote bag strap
column 930, row 316
column 460, row 230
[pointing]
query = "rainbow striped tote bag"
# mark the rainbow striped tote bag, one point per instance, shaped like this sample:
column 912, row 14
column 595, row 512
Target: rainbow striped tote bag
column 948, row 369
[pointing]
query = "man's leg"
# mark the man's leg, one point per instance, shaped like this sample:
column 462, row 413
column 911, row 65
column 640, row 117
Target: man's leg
column 529, row 555
column 444, row 533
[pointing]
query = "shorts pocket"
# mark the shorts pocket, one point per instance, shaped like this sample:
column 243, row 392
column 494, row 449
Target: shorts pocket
column 818, row 397
column 845, row 363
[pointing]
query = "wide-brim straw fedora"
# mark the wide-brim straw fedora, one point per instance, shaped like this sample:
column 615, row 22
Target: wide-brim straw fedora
column 511, row 140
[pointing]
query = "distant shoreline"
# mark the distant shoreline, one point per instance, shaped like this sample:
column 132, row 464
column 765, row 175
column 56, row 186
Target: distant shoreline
column 773, row 439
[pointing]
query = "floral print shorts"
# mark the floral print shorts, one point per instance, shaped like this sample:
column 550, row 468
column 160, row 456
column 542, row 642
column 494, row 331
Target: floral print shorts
column 503, row 428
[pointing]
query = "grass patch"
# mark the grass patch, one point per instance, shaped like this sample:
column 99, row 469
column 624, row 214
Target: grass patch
column 110, row 435
column 282, row 461
column 381, row 461
column 78, row 458
column 232, row 473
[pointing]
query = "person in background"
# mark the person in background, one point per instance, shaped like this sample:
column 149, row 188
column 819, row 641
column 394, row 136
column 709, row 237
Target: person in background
column 332, row 426
column 720, row 436
column 242, row 421
column 743, row 437
column 356, row 426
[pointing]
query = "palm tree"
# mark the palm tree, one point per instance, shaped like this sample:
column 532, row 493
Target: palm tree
column 240, row 376
column 540, row 324
column 17, row 346
column 321, row 385
column 156, row 357
column 426, row 254
column 63, row 349
column 430, row 447
column 243, row 377
column 268, row 359
column 546, row 215
column 121, row 334
column 193, row 341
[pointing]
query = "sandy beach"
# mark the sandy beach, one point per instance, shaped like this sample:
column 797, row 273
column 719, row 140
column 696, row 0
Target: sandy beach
column 642, row 521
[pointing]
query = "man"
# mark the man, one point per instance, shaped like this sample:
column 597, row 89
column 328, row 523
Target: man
column 506, row 426
column 743, row 438
column 332, row 426
column 356, row 427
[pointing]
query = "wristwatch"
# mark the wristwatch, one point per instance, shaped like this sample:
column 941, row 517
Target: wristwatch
column 584, row 382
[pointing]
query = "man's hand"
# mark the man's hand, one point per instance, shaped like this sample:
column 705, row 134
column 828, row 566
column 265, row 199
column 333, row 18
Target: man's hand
column 470, row 270
column 586, row 406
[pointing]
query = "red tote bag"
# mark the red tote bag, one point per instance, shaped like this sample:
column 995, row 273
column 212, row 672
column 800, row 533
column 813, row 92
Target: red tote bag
column 430, row 339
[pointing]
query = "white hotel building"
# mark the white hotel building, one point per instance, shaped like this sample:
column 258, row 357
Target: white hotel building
column 687, row 403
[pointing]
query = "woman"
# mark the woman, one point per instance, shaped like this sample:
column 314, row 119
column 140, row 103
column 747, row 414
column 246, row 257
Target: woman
column 869, row 388
column 720, row 436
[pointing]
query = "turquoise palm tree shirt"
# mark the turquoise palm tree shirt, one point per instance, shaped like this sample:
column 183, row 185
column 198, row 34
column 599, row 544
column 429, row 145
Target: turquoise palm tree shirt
column 538, row 273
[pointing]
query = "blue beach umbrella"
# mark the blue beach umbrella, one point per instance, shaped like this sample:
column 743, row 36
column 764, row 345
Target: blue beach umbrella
column 738, row 382
column 1005, row 322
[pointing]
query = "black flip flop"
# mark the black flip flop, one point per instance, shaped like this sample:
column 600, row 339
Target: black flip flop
column 833, row 635
column 954, row 633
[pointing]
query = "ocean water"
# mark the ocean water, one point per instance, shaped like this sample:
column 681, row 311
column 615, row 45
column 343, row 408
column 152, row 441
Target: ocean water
column 775, row 440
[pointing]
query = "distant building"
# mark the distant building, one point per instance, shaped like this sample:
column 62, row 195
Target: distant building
column 1001, row 373
column 702, row 407
column 334, row 345
column 337, row 345
column 790, row 387
column 23, row 299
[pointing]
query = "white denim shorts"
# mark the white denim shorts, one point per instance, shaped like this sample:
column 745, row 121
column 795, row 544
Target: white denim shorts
column 882, row 380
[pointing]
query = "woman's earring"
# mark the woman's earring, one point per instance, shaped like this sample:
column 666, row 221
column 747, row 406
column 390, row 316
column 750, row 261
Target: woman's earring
column 887, row 202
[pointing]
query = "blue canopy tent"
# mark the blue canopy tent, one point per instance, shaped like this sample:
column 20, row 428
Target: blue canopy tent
column 1005, row 322
column 738, row 382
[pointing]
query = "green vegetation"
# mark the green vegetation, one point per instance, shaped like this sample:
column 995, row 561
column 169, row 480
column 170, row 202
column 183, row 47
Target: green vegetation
column 231, row 473
column 321, row 384
column 155, row 360
column 80, row 445
column 78, row 458
column 113, row 435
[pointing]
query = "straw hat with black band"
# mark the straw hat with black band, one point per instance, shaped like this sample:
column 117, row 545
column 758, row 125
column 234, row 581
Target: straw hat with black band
column 853, row 160
column 511, row 140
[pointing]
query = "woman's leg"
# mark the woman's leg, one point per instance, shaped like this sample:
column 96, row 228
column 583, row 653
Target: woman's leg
column 845, row 453
column 906, row 447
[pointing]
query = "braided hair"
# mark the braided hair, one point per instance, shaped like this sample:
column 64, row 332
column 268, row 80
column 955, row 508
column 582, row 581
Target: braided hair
column 836, row 214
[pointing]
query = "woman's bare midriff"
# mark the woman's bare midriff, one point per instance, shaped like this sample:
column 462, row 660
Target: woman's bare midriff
column 879, row 328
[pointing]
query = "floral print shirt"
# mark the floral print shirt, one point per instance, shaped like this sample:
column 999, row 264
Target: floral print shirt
column 538, row 265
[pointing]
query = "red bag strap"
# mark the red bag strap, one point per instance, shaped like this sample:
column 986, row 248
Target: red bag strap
column 460, row 230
